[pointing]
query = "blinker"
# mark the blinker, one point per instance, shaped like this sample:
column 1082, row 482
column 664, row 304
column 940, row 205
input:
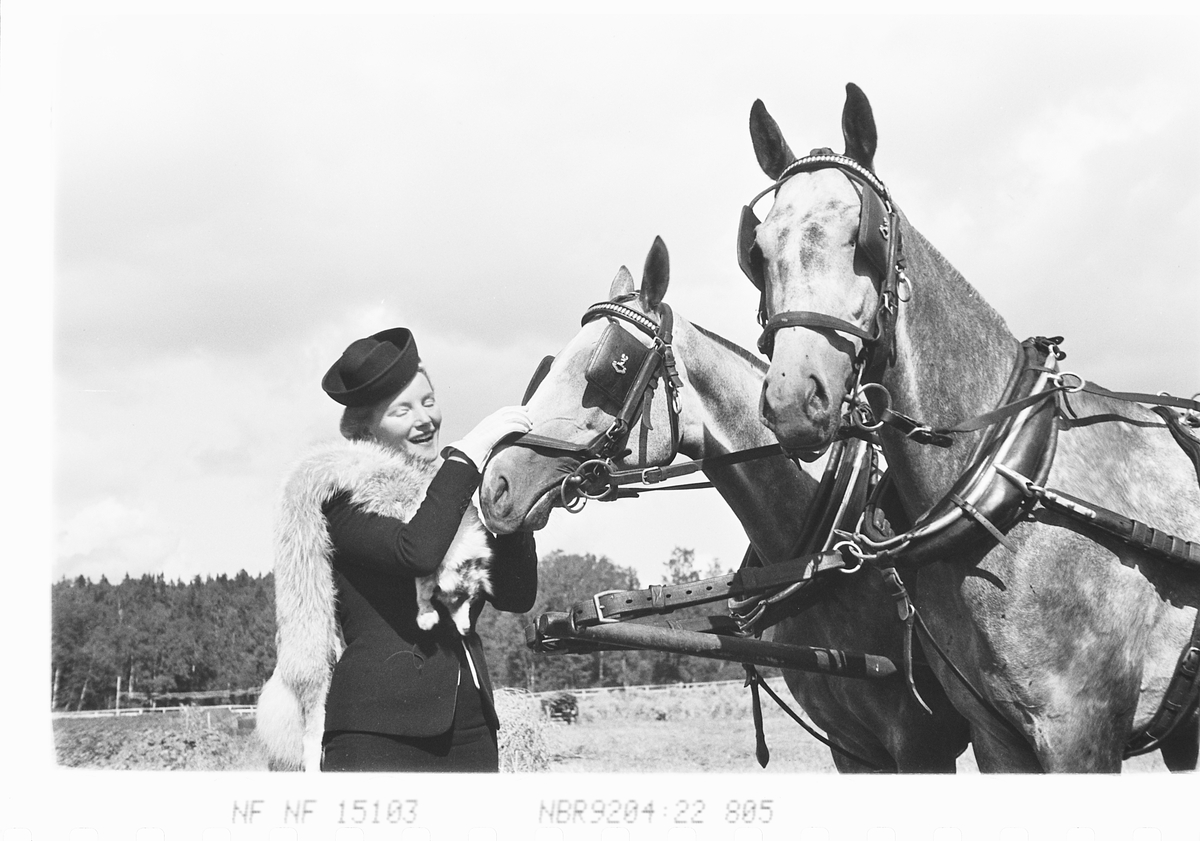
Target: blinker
column 873, row 232
column 748, row 252
column 615, row 363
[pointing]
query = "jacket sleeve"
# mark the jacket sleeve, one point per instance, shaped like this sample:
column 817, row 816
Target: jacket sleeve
column 415, row 548
column 514, row 572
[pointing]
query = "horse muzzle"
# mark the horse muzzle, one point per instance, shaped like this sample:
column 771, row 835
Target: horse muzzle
column 800, row 411
column 519, row 488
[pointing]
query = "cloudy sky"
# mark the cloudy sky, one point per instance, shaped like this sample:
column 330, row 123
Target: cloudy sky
column 238, row 197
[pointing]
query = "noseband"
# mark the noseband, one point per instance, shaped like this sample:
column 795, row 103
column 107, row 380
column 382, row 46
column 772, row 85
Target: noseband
column 878, row 245
column 612, row 371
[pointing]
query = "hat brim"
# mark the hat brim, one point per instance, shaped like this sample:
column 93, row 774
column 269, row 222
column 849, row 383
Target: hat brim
column 389, row 381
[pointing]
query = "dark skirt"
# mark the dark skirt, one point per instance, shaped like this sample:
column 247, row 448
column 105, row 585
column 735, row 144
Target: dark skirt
column 468, row 746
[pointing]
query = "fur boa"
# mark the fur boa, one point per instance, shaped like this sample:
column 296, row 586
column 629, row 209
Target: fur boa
column 291, row 708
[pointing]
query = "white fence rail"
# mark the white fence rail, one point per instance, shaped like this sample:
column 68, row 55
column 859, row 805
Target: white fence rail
column 777, row 684
column 248, row 709
column 236, row 709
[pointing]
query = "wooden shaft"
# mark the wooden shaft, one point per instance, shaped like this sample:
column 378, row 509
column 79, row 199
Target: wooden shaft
column 739, row 650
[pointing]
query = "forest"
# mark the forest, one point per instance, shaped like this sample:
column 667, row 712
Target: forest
column 152, row 642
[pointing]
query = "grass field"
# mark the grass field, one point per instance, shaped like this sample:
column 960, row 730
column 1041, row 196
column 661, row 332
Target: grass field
column 693, row 730
column 197, row 739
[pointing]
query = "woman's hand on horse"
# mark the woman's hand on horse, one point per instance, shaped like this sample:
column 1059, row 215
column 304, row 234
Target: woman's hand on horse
column 478, row 443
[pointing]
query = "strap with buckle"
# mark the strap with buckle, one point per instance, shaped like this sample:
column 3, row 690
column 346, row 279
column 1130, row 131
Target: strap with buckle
column 615, row 605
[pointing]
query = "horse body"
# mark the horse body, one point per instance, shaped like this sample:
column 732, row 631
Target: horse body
column 877, row 720
column 1074, row 636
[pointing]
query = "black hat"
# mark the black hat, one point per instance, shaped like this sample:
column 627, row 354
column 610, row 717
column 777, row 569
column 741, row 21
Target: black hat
column 373, row 368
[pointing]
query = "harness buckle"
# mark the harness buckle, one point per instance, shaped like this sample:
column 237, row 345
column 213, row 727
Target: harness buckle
column 899, row 593
column 1190, row 664
column 652, row 475
column 600, row 617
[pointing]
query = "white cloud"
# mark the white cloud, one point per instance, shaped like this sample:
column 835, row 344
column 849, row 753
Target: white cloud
column 110, row 537
column 227, row 227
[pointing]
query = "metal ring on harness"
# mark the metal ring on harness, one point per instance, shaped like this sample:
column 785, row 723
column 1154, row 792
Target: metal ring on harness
column 575, row 504
column 1060, row 380
column 861, row 413
column 857, row 551
column 582, row 481
column 577, row 481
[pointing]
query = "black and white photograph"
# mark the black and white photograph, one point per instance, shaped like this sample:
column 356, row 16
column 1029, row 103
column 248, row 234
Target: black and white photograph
column 665, row 411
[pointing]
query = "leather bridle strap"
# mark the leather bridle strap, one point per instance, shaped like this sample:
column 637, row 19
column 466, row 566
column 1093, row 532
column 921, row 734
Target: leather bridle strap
column 814, row 320
column 654, row 475
column 616, row 605
column 881, row 334
column 659, row 358
column 1191, row 405
column 755, row 680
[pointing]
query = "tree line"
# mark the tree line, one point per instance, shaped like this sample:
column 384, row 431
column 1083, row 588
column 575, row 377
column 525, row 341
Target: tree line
column 148, row 641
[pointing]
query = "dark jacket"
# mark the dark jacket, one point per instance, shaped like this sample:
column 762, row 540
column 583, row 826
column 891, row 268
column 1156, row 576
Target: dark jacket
column 393, row 677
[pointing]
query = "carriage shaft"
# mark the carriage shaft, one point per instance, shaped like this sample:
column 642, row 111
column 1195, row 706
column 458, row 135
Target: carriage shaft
column 828, row 661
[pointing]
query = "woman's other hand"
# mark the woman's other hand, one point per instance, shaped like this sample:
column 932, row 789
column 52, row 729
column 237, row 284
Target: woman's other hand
column 478, row 443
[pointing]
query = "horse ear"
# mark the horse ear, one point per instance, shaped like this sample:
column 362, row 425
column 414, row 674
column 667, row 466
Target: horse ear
column 655, row 275
column 770, row 148
column 622, row 285
column 858, row 127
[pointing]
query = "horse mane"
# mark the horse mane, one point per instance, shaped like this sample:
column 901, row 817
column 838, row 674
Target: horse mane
column 737, row 349
column 757, row 363
column 943, row 267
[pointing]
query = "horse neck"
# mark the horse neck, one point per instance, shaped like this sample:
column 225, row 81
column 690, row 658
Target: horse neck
column 954, row 355
column 770, row 496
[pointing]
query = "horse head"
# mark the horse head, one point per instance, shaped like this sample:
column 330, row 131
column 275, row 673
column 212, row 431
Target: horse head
column 814, row 258
column 577, row 407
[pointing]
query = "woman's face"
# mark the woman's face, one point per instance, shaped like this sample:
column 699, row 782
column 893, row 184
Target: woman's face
column 410, row 422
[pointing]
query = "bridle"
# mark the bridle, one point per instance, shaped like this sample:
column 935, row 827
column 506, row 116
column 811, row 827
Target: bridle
column 625, row 372
column 878, row 246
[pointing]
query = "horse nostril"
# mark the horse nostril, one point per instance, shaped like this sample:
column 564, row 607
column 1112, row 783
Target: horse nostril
column 494, row 495
column 765, row 410
column 818, row 398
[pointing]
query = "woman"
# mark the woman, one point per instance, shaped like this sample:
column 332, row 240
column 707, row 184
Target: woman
column 362, row 519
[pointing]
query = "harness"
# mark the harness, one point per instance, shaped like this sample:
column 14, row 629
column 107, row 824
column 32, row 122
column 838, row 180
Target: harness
column 758, row 596
column 624, row 373
column 1007, row 471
